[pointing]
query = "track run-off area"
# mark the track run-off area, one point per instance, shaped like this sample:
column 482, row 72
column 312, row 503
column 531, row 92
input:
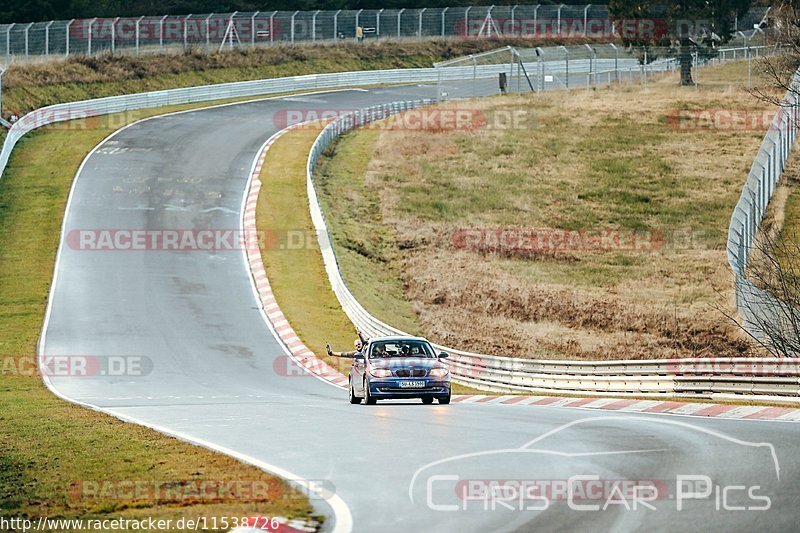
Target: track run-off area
column 392, row 467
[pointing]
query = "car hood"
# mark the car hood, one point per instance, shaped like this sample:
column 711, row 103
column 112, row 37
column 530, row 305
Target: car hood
column 406, row 362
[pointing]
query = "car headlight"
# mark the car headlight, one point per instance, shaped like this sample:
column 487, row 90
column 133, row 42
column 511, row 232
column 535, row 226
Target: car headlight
column 380, row 372
column 439, row 372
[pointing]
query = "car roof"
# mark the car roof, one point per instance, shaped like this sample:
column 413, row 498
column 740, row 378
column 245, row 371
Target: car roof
column 398, row 338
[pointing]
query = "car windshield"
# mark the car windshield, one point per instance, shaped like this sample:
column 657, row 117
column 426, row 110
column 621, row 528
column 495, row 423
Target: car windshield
column 400, row 348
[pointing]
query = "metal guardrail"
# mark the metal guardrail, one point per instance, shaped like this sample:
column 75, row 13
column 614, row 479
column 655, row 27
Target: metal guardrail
column 767, row 379
column 115, row 104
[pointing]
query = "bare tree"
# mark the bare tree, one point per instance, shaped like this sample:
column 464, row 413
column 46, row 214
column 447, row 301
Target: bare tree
column 768, row 296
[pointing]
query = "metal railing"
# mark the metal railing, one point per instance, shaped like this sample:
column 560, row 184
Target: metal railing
column 215, row 31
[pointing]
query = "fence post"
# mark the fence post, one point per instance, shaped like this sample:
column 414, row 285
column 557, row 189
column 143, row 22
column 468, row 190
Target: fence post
column 466, row 21
column 358, row 16
column 314, row 25
column 586, row 18
column 443, row 12
column 8, row 40
column 27, row 28
column 419, row 30
column 616, row 62
column 272, row 27
column 566, row 66
column 336, row 25
column 398, row 21
column 513, row 22
column 138, row 25
column 47, row 38
column 114, row 36
column 66, row 37
column 161, row 33
column 253, row 28
column 535, row 19
column 91, row 23
column 378, row 23
column 208, row 32
column 558, row 30
column 292, row 23
column 186, row 31
column 2, row 71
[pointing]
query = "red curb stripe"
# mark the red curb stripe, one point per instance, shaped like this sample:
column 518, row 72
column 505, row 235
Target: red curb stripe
column 769, row 413
column 486, row 399
column 714, row 410
column 547, row 401
column 619, row 405
column 663, row 407
column 511, row 400
column 581, row 402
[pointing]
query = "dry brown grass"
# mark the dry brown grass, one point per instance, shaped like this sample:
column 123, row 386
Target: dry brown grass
column 584, row 160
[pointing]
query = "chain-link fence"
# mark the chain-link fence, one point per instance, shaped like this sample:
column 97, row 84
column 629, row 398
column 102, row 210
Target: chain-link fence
column 215, row 31
column 520, row 70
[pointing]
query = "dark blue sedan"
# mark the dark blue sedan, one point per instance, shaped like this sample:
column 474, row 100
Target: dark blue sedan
column 390, row 368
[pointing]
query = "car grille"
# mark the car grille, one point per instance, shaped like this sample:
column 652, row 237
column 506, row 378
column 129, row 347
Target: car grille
column 411, row 373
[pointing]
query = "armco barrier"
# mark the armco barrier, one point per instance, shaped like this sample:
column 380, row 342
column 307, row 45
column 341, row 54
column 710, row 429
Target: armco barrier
column 768, row 379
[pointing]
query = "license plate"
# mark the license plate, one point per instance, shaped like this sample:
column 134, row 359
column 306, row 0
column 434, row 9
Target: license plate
column 412, row 384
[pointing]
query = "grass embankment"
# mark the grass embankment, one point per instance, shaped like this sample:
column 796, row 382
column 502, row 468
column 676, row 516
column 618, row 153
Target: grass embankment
column 293, row 260
column 27, row 87
column 48, row 446
column 594, row 161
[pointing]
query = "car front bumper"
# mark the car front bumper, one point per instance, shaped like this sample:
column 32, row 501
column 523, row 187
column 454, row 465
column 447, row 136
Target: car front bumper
column 387, row 389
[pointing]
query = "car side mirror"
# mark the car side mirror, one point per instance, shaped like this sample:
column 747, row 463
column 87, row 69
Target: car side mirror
column 443, row 355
